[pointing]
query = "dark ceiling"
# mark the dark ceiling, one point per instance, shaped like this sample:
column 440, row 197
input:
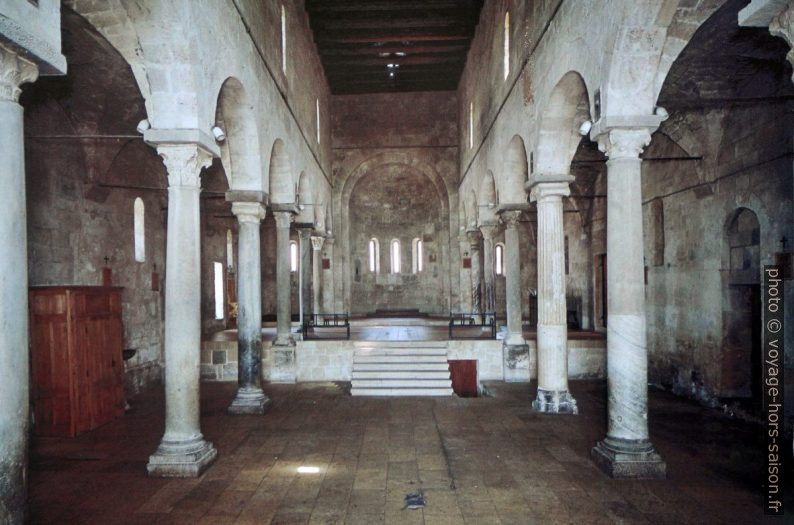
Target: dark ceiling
column 372, row 46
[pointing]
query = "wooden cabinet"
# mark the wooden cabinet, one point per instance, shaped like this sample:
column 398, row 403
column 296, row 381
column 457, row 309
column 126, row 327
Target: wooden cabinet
column 76, row 340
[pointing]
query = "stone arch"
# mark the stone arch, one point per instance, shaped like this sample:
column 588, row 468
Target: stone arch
column 488, row 198
column 304, row 199
column 240, row 151
column 472, row 215
column 515, row 172
column 282, row 190
column 558, row 134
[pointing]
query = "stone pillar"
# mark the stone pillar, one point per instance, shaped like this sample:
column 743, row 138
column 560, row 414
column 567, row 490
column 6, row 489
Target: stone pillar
column 14, row 408
column 489, row 275
column 626, row 452
column 474, row 237
column 515, row 334
column 305, row 267
column 283, row 369
column 183, row 452
column 465, row 275
column 250, row 398
column 553, row 395
column 327, row 279
column 317, row 255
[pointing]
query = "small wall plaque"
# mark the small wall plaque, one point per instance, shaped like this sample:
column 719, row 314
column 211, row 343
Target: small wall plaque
column 155, row 282
column 326, row 264
column 467, row 262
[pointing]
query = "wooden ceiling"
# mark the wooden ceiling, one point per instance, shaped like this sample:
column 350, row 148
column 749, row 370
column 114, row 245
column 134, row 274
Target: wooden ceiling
column 375, row 46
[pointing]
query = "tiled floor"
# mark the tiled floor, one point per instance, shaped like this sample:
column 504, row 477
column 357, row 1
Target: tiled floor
column 481, row 461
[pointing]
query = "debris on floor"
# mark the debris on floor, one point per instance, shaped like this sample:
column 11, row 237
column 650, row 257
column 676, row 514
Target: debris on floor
column 415, row 500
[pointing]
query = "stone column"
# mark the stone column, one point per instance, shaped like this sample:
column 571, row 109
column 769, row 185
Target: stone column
column 305, row 267
column 283, row 368
column 474, row 237
column 553, row 395
column 183, row 452
column 515, row 334
column 489, row 276
column 327, row 279
column 465, row 275
column 317, row 255
column 14, row 408
column 250, row 398
column 626, row 452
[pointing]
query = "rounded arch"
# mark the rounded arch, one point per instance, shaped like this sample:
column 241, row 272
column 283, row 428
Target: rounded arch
column 304, row 199
column 515, row 172
column 240, row 150
column 472, row 210
column 558, row 134
column 488, row 198
column 282, row 190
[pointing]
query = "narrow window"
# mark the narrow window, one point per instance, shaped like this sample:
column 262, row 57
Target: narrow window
column 229, row 250
column 317, row 108
column 374, row 256
column 139, row 230
column 283, row 40
column 293, row 256
column 395, row 256
column 417, row 259
column 218, row 290
column 507, row 45
column 471, row 125
column 499, row 259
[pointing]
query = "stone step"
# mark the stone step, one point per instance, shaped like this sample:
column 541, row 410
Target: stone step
column 401, row 366
column 398, row 358
column 400, row 374
column 399, row 344
column 402, row 351
column 401, row 383
column 401, row 392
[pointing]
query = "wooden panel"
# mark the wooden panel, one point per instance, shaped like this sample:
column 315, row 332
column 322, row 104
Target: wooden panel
column 464, row 377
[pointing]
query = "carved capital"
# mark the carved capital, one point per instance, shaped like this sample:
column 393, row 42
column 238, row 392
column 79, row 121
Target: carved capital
column 317, row 243
column 474, row 237
column 283, row 219
column 782, row 26
column 14, row 71
column 546, row 191
column 184, row 163
column 510, row 219
column 489, row 230
column 624, row 143
column 252, row 212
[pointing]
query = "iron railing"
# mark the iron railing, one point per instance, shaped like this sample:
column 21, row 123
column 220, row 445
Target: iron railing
column 324, row 326
column 472, row 321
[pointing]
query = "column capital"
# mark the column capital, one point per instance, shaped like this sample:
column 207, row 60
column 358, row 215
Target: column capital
column 249, row 211
column 545, row 191
column 510, row 218
column 184, row 163
column 330, row 241
column 489, row 229
column 283, row 219
column 317, row 242
column 304, row 232
column 624, row 143
column 474, row 237
column 14, row 71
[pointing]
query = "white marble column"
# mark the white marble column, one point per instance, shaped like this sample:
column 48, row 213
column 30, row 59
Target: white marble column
column 14, row 408
column 183, row 452
column 317, row 255
column 626, row 452
column 489, row 275
column 283, row 367
column 475, row 238
column 250, row 398
column 553, row 395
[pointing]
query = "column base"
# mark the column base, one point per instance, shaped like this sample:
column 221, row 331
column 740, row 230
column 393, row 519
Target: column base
column 180, row 459
column 284, row 340
column 250, row 401
column 515, row 358
column 628, row 459
column 283, row 368
column 555, row 402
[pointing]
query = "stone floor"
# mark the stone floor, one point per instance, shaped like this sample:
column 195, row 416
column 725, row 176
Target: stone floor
column 481, row 461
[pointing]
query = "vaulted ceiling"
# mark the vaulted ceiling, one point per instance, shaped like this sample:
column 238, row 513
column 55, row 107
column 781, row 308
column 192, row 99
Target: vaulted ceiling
column 372, row 46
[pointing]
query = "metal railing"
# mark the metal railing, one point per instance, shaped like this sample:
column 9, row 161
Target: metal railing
column 470, row 321
column 323, row 326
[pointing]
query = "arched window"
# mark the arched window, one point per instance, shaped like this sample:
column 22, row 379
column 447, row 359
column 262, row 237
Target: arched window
column 283, row 40
column 293, row 256
column 395, row 256
column 229, row 250
column 418, row 256
column 471, row 125
column 507, row 46
column 499, row 259
column 139, row 230
column 374, row 256
column 218, row 271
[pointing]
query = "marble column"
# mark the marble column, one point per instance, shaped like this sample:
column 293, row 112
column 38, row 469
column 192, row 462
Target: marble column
column 283, row 364
column 183, row 452
column 305, row 268
column 14, row 408
column 626, row 452
column 553, row 394
column 515, row 334
column 250, row 399
column 317, row 255
column 489, row 275
column 475, row 238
